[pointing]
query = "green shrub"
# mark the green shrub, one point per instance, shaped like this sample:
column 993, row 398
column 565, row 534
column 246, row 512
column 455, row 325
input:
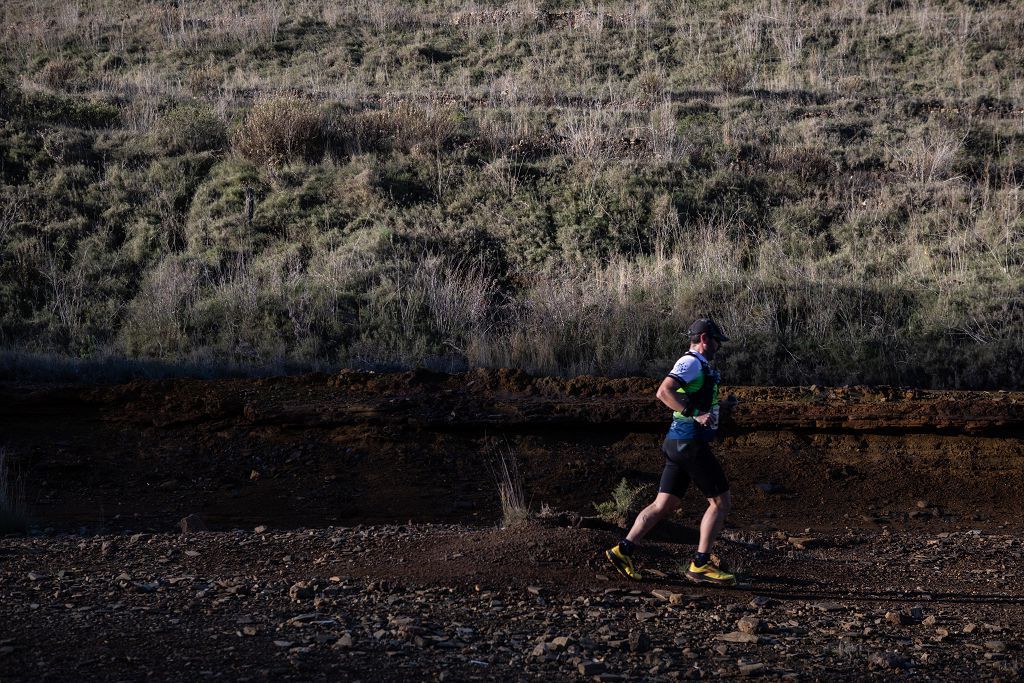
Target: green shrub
column 68, row 110
column 158, row 318
column 625, row 503
column 188, row 129
column 219, row 220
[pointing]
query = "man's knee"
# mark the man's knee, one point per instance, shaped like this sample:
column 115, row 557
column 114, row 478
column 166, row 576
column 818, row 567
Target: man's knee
column 723, row 501
column 664, row 505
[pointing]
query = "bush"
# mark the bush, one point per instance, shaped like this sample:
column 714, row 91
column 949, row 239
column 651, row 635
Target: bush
column 68, row 110
column 280, row 130
column 188, row 129
column 625, row 503
column 219, row 219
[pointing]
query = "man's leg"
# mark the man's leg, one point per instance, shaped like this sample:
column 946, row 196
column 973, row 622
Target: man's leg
column 664, row 505
column 621, row 555
column 701, row 569
column 713, row 520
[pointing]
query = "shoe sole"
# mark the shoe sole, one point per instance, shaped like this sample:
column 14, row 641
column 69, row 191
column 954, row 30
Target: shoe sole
column 702, row 578
column 619, row 569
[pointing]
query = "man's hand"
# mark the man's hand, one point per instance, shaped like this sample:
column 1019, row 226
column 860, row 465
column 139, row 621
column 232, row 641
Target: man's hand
column 702, row 420
column 728, row 405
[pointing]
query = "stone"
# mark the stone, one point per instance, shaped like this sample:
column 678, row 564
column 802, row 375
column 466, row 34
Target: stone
column 929, row 620
column 645, row 616
column 300, row 591
column 344, row 642
column 751, row 625
column 561, row 642
column 261, row 529
column 804, row 542
column 887, row 660
column 752, row 669
column 542, row 650
column 970, row 628
column 899, row 618
column 192, row 523
column 591, row 668
column 995, row 646
column 662, row 594
column 639, row 642
column 739, row 637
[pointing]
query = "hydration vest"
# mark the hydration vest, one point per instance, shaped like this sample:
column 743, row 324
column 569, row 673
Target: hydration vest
column 702, row 397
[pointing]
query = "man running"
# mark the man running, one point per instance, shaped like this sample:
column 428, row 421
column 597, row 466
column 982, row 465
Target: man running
column 691, row 390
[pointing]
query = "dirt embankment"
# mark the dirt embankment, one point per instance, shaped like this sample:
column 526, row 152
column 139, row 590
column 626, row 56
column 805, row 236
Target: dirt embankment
column 362, row 447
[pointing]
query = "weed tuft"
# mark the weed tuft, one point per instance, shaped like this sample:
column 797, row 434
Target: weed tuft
column 13, row 510
column 625, row 502
column 515, row 510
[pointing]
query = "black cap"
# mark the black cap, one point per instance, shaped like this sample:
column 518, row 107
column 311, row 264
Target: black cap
column 709, row 326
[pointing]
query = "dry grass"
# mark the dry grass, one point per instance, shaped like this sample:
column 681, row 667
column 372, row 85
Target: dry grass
column 279, row 130
column 621, row 167
column 13, row 510
column 515, row 509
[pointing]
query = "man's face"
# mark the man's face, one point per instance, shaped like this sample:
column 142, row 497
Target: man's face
column 711, row 346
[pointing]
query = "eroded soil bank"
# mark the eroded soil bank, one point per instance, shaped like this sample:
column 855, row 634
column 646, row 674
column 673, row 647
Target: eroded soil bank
column 361, row 447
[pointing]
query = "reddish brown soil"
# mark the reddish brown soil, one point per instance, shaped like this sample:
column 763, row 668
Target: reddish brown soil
column 369, row 448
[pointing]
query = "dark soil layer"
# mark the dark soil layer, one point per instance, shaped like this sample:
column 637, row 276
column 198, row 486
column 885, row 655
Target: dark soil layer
column 375, row 448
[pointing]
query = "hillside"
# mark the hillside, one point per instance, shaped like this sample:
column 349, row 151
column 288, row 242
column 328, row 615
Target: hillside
column 549, row 186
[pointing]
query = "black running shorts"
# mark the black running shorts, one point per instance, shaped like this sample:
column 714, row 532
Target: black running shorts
column 687, row 461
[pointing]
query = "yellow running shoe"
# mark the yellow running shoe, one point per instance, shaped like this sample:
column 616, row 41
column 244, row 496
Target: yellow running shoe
column 623, row 563
column 709, row 573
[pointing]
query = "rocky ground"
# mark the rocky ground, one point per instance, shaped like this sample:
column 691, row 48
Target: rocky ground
column 449, row 602
column 354, row 533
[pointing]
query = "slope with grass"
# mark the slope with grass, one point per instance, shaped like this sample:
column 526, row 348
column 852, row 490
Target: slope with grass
column 553, row 186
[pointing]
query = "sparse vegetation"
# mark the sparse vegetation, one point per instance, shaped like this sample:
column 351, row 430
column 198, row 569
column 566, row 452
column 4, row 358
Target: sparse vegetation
column 13, row 512
column 555, row 187
column 625, row 503
column 515, row 509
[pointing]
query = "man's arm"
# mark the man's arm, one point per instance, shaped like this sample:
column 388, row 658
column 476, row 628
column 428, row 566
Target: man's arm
column 667, row 395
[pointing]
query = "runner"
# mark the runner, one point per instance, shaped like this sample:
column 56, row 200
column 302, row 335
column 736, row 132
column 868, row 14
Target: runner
column 691, row 390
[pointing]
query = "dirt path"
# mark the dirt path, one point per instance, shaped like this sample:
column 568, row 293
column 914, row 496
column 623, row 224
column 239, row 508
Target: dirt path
column 442, row 602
